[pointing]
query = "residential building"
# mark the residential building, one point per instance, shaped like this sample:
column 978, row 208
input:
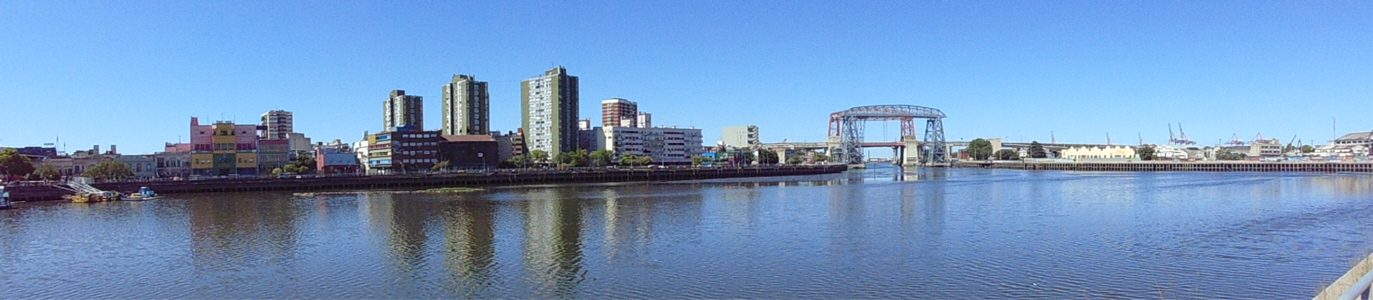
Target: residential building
column 361, row 150
column 505, row 145
column 144, row 166
column 173, row 164
column 300, row 144
column 465, row 106
column 1265, row 148
column 335, row 158
column 550, row 111
column 279, row 125
column 517, row 144
column 614, row 110
column 587, row 136
column 223, row 148
column 645, row 120
column 402, row 151
column 469, row 151
column 401, row 110
column 742, row 137
column 664, row 145
column 273, row 154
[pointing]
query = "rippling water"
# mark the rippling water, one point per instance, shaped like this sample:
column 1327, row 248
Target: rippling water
column 877, row 233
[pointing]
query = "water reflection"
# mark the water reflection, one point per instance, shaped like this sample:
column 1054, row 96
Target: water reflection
column 470, row 236
column 225, row 231
column 553, row 241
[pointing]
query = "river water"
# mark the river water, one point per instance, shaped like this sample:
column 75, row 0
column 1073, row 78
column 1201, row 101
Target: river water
column 876, row 233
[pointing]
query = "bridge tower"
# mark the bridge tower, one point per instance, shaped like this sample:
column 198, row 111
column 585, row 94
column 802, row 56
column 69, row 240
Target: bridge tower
column 847, row 128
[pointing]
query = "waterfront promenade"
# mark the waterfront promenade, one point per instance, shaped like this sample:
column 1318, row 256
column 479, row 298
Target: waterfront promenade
column 39, row 192
column 1147, row 166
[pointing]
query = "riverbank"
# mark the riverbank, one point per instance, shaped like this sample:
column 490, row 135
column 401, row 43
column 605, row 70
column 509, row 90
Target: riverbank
column 517, row 177
column 1169, row 166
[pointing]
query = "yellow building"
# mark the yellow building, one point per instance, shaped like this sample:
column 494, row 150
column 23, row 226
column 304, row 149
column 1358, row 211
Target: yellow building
column 1098, row 153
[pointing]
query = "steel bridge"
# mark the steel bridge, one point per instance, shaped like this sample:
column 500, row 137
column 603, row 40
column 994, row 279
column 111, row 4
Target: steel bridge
column 847, row 126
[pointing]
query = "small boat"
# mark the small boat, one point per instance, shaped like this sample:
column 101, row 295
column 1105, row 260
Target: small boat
column 143, row 194
column 5, row 198
column 81, row 198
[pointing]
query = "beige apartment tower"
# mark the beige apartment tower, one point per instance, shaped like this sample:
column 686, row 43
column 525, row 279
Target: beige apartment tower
column 466, row 109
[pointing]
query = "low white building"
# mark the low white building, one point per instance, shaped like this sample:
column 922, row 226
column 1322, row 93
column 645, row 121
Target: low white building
column 664, row 145
column 1098, row 153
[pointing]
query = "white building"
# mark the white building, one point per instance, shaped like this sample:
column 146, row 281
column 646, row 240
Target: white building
column 741, row 136
column 1111, row 153
column 279, row 124
column 664, row 145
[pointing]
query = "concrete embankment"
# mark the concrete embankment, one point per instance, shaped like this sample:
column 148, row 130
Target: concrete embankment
column 1241, row 166
column 36, row 193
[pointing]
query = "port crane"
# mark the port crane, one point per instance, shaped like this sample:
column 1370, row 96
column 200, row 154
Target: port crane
column 1235, row 140
column 1183, row 140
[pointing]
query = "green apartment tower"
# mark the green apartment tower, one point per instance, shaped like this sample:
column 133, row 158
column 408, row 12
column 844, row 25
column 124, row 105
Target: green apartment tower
column 465, row 110
column 550, row 111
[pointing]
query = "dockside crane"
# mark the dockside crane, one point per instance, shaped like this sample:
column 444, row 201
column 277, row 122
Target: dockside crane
column 1183, row 140
column 1235, row 140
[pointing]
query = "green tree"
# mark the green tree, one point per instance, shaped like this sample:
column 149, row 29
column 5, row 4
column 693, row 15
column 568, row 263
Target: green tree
column 1307, row 149
column 519, row 161
column 291, row 169
column 108, row 170
column 795, row 160
column 278, row 171
column 439, row 166
column 628, row 159
column 600, row 158
column 1037, row 150
column 303, row 164
column 14, row 164
column 538, row 157
column 696, row 161
column 980, row 149
column 767, row 157
column 577, row 158
column 749, row 158
column 643, row 160
column 48, row 172
column 819, row 157
column 1007, row 154
column 1147, row 153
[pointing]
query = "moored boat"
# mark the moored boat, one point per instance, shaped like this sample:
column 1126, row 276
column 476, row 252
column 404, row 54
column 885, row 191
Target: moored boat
column 143, row 194
column 5, row 198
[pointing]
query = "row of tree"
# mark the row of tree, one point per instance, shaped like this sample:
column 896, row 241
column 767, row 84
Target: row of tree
column 17, row 166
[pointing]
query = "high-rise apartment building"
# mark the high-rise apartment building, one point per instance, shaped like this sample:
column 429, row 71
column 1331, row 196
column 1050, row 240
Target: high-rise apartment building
column 279, row 125
column 615, row 110
column 645, row 120
column 550, row 111
column 465, row 107
column 401, row 110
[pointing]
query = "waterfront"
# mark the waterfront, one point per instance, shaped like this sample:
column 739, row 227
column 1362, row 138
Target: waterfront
column 875, row 233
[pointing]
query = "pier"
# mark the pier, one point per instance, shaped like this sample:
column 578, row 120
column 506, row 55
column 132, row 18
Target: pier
column 1169, row 166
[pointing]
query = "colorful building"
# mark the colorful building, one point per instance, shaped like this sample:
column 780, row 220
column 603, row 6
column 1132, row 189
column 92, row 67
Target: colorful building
column 335, row 158
column 402, row 151
column 223, row 148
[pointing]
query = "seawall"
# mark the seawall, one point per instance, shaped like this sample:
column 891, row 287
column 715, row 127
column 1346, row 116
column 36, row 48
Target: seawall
column 306, row 183
column 1169, row 166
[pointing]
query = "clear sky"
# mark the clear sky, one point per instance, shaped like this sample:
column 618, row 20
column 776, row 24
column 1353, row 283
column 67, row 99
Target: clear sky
column 132, row 73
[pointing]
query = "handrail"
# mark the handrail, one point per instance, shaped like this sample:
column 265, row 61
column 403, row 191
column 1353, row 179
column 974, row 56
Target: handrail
column 1359, row 288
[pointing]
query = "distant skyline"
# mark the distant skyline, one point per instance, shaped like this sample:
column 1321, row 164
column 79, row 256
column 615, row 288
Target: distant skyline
column 133, row 74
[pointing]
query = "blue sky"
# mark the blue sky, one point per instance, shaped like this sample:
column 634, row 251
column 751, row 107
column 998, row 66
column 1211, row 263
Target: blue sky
column 132, row 73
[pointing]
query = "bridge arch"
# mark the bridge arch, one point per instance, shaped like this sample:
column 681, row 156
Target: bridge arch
column 848, row 125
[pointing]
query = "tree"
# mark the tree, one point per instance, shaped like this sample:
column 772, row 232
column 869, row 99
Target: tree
column 519, row 161
column 980, row 149
column 643, row 160
column 439, row 166
column 749, row 158
column 278, row 171
column 539, row 157
column 1007, row 154
column 1147, row 153
column 819, row 157
column 767, row 157
column 577, row 158
column 107, row 170
column 1307, row 149
column 696, row 161
column 47, row 172
column 14, row 164
column 1227, row 155
column 795, row 160
column 1037, row 150
column 600, row 158
column 628, row 159
column 291, row 169
column 302, row 164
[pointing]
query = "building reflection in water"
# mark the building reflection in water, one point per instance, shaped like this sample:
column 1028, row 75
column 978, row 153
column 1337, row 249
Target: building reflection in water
column 400, row 220
column 635, row 214
column 231, row 231
column 553, row 241
column 469, row 241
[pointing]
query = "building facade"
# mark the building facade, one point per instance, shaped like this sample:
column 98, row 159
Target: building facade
column 403, row 151
column 401, row 110
column 645, row 120
column 469, row 151
column 465, row 106
column 223, row 148
column 550, row 111
column 616, row 110
column 664, row 145
column 336, row 158
column 741, row 137
column 279, row 124
column 1111, row 153
column 273, row 154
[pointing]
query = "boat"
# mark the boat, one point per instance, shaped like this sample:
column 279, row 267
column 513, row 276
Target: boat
column 5, row 198
column 143, row 194
column 81, row 198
